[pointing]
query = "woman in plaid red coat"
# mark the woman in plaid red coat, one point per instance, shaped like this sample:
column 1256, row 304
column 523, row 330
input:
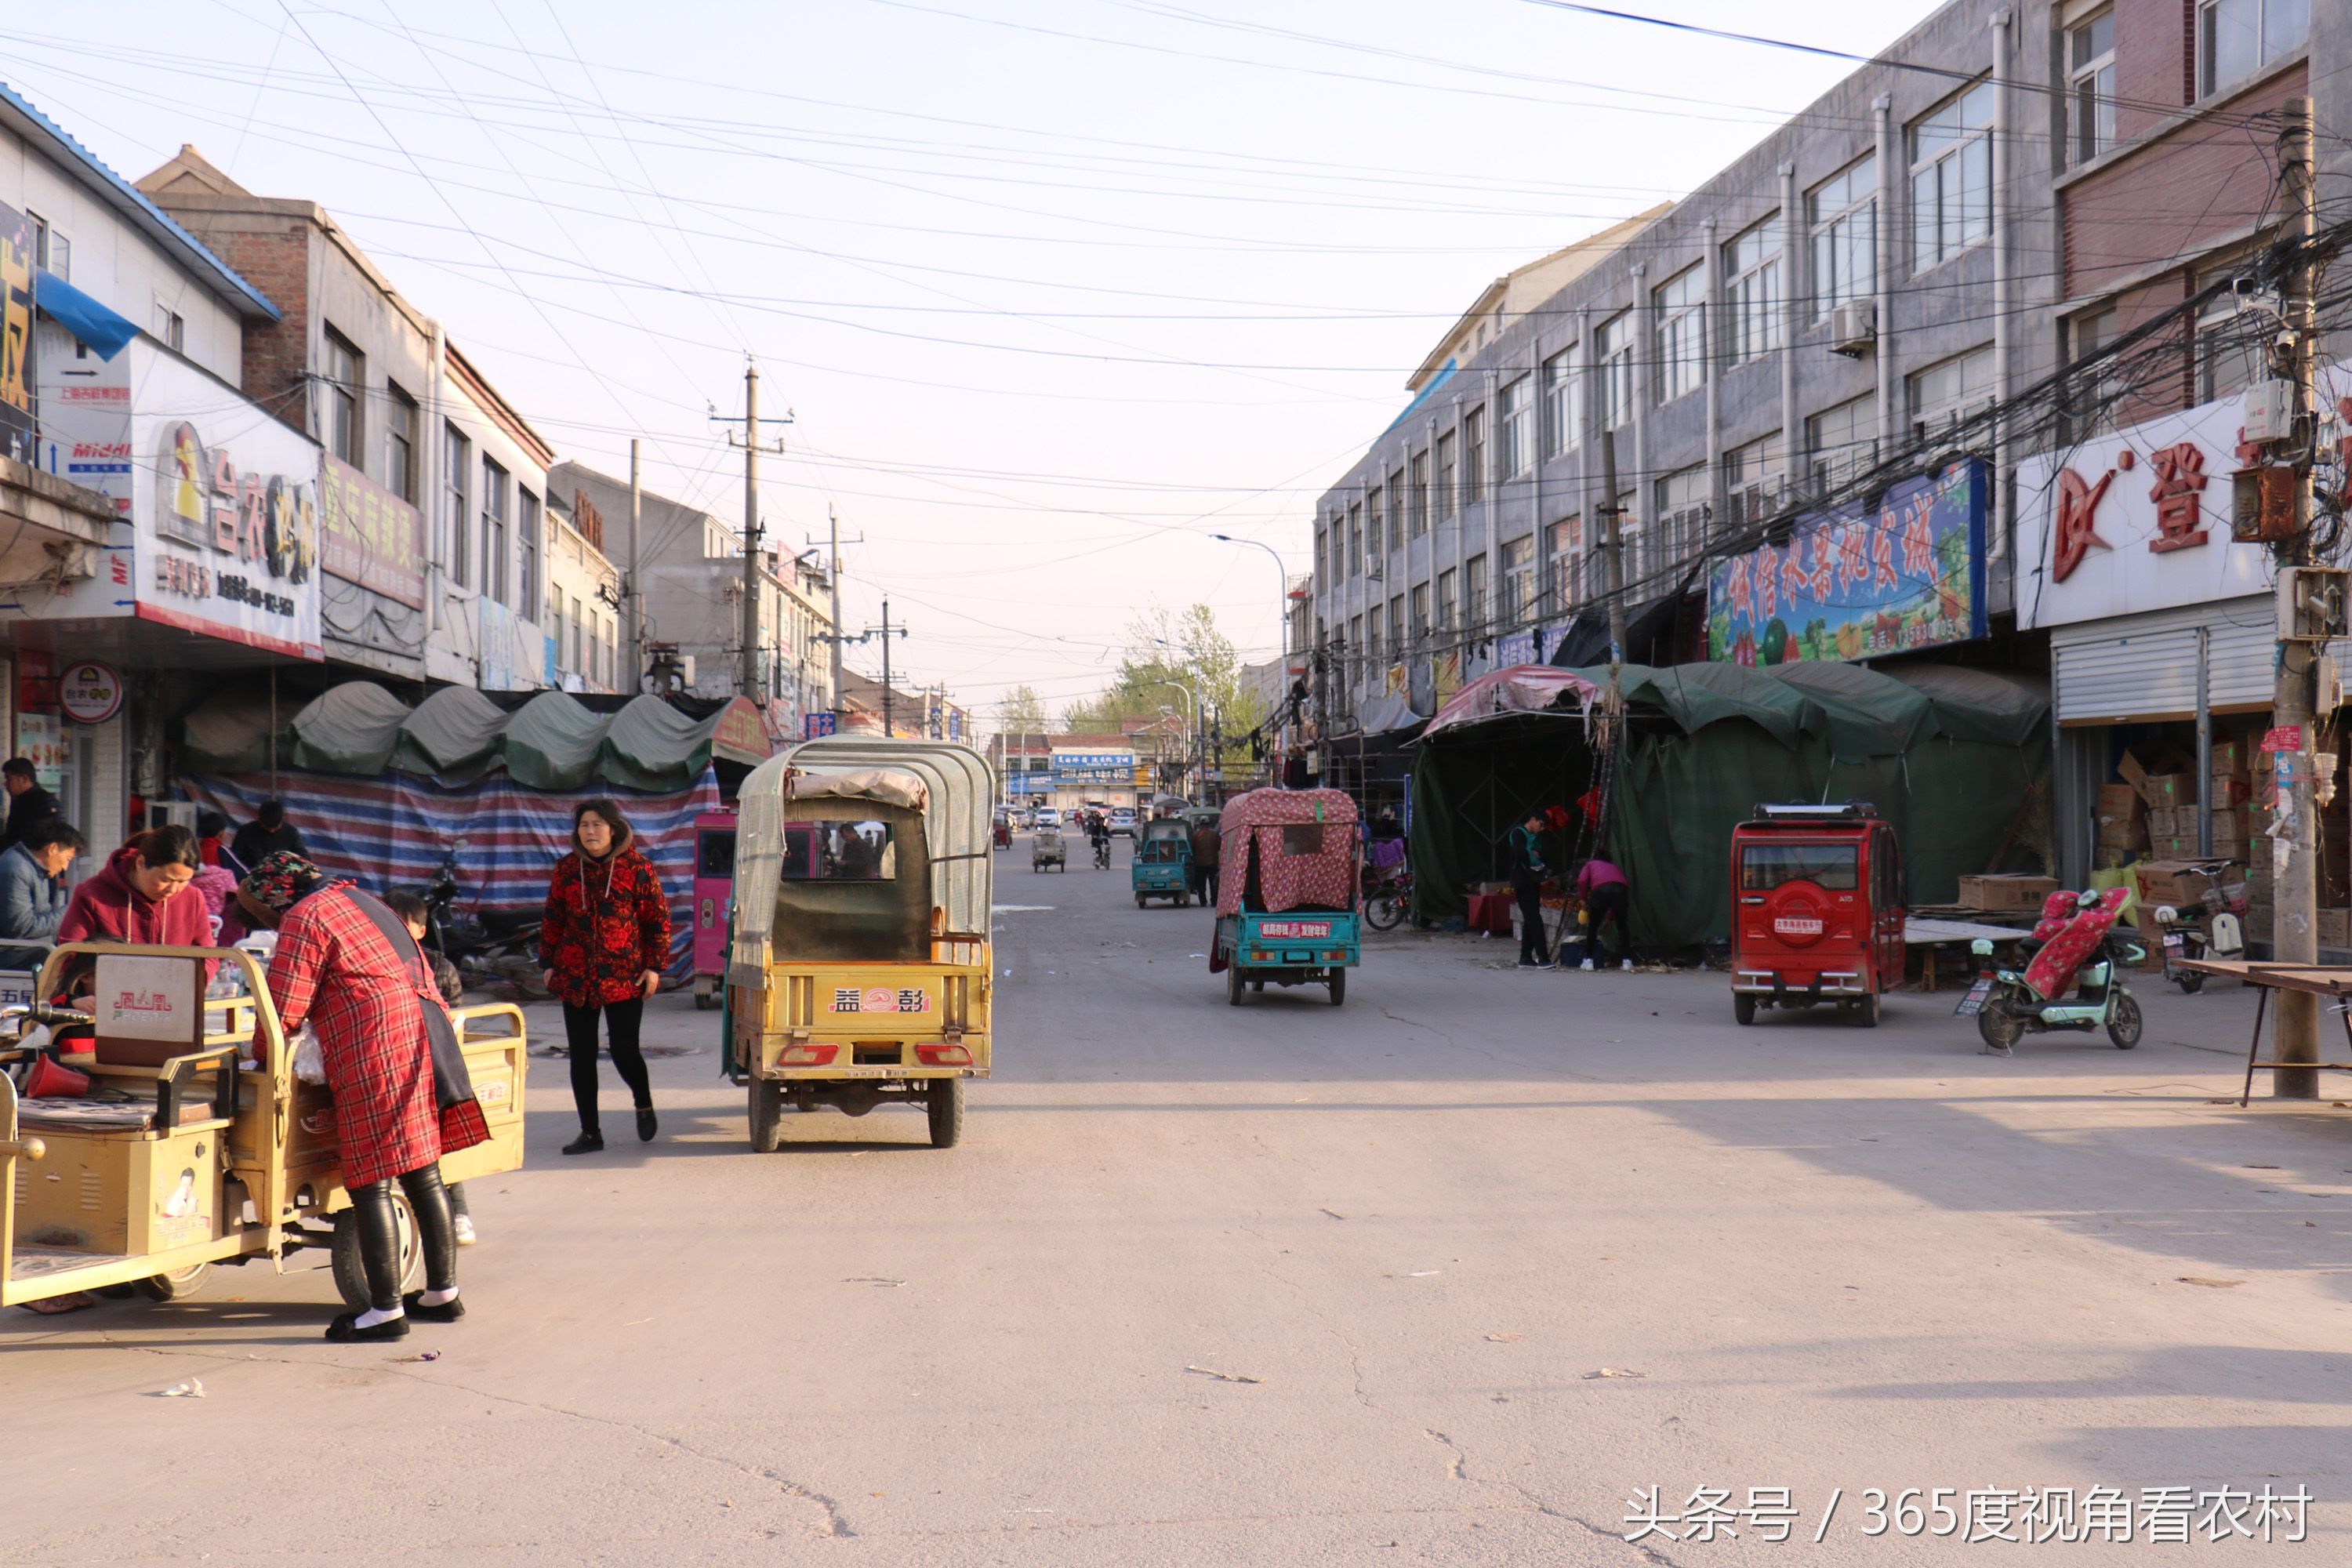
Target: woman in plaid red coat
column 338, row 969
column 604, row 942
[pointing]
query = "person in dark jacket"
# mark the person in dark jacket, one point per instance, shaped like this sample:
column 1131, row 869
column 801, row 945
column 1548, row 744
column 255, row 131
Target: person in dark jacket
column 269, row 834
column 1528, row 874
column 29, row 804
column 604, row 942
column 32, row 889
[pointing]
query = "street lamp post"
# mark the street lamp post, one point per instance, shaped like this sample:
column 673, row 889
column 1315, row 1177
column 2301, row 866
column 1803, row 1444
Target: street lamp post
column 1282, row 619
column 1191, row 706
column 1195, row 717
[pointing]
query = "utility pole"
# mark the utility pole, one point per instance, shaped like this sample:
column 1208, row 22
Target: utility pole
column 1609, row 510
column 749, row 683
column 2295, row 937
column 888, row 728
column 630, row 588
column 833, row 527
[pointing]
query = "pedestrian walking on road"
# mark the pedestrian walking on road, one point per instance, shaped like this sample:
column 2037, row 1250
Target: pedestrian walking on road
column 1528, row 873
column 604, row 943
column 1206, row 841
column 344, row 966
column 1604, row 893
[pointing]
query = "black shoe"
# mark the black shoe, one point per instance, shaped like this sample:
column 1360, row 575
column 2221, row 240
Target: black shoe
column 343, row 1331
column 647, row 1125
column 446, row 1312
column 586, row 1143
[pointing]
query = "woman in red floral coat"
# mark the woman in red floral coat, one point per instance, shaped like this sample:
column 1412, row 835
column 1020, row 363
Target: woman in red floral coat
column 604, row 942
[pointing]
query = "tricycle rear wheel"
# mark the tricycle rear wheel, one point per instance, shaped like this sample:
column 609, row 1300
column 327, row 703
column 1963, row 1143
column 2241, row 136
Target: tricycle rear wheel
column 1865, row 1012
column 1338, row 986
column 944, row 1105
column 1743, row 1008
column 351, row 1268
column 1233, row 983
column 176, row 1287
column 767, row 1111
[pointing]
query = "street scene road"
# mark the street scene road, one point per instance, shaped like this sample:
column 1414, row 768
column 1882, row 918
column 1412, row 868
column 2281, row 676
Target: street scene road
column 1448, row 1274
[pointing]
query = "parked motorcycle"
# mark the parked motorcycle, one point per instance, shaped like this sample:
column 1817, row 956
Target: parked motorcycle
column 1389, row 898
column 493, row 947
column 2009, row 1004
column 2186, row 936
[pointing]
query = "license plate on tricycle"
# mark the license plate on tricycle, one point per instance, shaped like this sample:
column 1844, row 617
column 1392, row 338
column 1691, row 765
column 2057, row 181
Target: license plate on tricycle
column 1973, row 1003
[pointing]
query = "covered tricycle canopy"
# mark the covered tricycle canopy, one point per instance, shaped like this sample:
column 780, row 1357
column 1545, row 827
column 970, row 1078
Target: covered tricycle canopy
column 1284, row 849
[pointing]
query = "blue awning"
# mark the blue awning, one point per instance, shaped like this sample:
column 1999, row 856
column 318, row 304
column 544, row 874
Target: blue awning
column 82, row 316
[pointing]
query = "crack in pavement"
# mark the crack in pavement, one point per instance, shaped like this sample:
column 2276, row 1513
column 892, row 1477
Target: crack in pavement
column 1460, row 1470
column 837, row 1524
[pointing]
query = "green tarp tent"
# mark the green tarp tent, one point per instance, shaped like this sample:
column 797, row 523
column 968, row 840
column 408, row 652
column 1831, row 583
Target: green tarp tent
column 1950, row 756
column 457, row 736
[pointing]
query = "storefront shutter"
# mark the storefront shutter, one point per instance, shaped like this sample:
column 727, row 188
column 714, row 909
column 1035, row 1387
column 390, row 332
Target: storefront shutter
column 2144, row 667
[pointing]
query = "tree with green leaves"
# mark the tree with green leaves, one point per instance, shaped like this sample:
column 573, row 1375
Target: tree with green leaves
column 1167, row 648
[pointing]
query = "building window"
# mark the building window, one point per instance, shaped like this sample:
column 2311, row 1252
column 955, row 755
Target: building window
column 52, row 251
column 1751, row 481
column 1420, row 616
column 457, row 455
column 579, row 631
column 2229, row 342
column 1751, row 266
column 1396, row 626
column 1842, row 212
column 494, row 532
column 1613, row 349
column 2090, row 394
column 1947, row 392
column 1356, row 540
column 2091, row 87
column 1375, row 545
column 2237, row 37
column 1629, row 543
column 1474, row 455
column 1563, row 404
column 1417, row 496
column 1568, row 560
column 1446, row 599
column 1681, row 303
column 170, row 330
column 1512, row 426
column 529, row 530
column 1682, row 518
column 1951, row 178
column 1397, row 506
column 1519, row 581
column 400, row 443
column 1322, row 557
column 346, row 386
column 1372, row 642
column 1842, row 443
column 1474, row 583
column 1447, row 501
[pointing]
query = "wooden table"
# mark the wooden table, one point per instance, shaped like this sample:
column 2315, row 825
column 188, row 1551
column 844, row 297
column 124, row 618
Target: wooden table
column 2329, row 981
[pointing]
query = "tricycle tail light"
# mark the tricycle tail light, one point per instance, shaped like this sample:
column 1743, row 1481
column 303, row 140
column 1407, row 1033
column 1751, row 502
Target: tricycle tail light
column 807, row 1054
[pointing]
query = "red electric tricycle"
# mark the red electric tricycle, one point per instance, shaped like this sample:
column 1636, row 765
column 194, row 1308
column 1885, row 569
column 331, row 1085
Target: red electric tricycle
column 1817, row 908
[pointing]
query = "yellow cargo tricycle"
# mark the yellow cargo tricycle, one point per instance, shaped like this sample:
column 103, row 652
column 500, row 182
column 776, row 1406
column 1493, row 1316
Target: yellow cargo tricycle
column 194, row 1143
column 859, row 971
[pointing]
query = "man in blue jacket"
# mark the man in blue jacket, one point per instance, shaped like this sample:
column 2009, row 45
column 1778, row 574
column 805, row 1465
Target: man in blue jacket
column 32, row 889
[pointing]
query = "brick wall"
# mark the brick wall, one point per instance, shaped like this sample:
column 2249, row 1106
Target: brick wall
column 274, row 256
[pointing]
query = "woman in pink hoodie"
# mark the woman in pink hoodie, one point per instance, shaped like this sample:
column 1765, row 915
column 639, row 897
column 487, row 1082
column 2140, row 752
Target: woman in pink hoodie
column 142, row 896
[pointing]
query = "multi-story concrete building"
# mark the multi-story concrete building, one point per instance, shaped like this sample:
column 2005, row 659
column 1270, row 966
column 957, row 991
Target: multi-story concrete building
column 1857, row 284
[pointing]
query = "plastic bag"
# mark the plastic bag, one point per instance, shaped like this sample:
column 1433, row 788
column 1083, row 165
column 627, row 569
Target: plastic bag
column 309, row 1062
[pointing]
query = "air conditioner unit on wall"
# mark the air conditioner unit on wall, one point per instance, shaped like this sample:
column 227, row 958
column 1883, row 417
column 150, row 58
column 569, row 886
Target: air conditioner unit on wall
column 1853, row 328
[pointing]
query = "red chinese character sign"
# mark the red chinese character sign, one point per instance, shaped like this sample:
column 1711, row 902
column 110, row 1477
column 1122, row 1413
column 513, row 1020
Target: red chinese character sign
column 1907, row 574
column 2135, row 520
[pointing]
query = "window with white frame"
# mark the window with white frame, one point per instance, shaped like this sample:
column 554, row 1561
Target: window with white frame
column 170, row 330
column 2230, row 337
column 1751, row 270
column 346, row 392
column 1518, row 580
column 1355, row 540
column 1396, row 626
column 494, row 530
column 456, row 459
column 1681, row 302
column 52, row 251
column 1513, row 421
column 1681, row 511
column 1474, row 455
column 1375, row 547
column 2091, row 87
column 1752, row 479
column 1842, row 443
column 1420, row 616
column 1842, row 214
column 530, row 528
column 1571, row 575
column 1563, row 404
column 1396, row 490
column 1474, row 593
column 400, row 428
column 1416, row 495
column 1612, row 347
column 2236, row 39
column 1372, row 643
column 1448, row 498
column 2092, row 389
column 1947, row 392
column 1322, row 557
column 1951, row 178
column 1445, row 600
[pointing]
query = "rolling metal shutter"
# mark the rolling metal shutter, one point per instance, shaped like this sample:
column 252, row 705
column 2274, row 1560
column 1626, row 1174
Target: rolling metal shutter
column 2143, row 667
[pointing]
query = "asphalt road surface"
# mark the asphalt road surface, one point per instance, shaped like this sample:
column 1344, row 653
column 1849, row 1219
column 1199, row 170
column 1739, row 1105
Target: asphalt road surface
column 1446, row 1275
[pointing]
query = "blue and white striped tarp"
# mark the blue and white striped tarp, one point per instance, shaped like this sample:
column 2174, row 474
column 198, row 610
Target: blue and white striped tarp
column 392, row 832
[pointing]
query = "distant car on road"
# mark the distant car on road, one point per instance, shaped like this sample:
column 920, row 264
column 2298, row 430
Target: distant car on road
column 1122, row 820
column 1048, row 817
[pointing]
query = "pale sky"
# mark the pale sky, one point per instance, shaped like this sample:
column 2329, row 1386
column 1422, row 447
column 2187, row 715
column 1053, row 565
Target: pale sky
column 1054, row 289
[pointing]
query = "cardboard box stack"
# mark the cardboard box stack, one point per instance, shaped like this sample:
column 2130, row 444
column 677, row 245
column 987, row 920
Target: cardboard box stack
column 2005, row 893
column 2123, row 824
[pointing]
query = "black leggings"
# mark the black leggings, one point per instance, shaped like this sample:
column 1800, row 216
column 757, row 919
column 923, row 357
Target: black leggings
column 621, row 1021
column 1602, row 905
column 1529, row 893
column 379, row 1235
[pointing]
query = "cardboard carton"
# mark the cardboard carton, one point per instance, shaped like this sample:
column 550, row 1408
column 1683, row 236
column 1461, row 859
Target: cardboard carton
column 2174, row 881
column 2163, row 822
column 2225, row 790
column 2229, row 758
column 2336, row 928
column 2169, row 789
column 2006, row 892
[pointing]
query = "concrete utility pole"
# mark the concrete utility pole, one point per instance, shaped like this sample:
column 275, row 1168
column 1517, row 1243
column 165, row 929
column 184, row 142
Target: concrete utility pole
column 2295, row 918
column 631, row 589
column 749, row 684
column 888, row 727
column 833, row 526
column 1609, row 510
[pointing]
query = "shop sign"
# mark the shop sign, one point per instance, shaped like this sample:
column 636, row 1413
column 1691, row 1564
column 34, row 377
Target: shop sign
column 2140, row 520
column 370, row 536
column 15, row 332
column 41, row 740
column 90, row 692
column 1094, row 767
column 815, row 724
column 218, row 504
column 1909, row 573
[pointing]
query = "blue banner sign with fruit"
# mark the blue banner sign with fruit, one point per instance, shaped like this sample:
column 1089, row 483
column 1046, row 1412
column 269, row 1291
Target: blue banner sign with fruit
column 1906, row 574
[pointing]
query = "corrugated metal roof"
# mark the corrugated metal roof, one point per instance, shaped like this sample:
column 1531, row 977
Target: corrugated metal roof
column 132, row 202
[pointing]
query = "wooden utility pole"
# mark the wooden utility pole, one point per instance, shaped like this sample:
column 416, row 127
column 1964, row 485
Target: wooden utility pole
column 2295, row 937
column 749, row 682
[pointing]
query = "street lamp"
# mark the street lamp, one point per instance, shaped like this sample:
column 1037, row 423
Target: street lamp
column 1196, row 717
column 1282, row 607
column 1192, row 703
